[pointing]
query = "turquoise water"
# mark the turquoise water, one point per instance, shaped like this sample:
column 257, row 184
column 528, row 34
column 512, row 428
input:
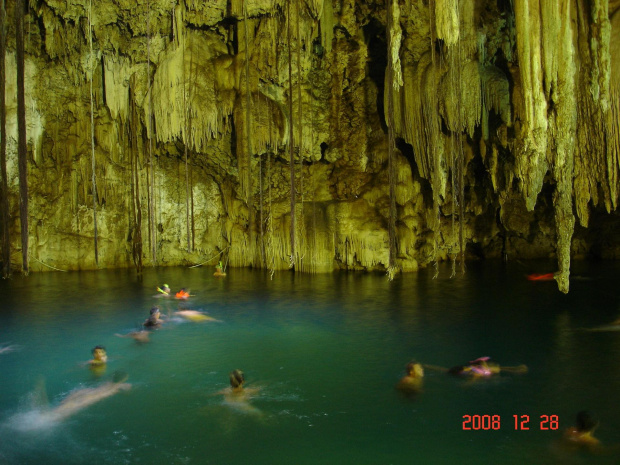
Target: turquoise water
column 326, row 352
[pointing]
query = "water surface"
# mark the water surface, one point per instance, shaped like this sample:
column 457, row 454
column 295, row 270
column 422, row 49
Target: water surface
column 326, row 352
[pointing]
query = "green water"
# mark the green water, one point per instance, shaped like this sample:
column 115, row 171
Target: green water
column 326, row 352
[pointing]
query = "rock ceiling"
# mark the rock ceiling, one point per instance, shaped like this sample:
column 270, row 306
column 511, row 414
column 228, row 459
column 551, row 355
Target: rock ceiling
column 316, row 135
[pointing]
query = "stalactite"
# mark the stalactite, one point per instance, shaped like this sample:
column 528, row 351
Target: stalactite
column 563, row 122
column 453, row 97
column 461, row 157
column 301, row 245
column 394, row 81
column 185, row 141
column 431, row 151
column 273, row 148
column 136, row 235
column 290, row 129
column 260, row 200
column 191, row 196
column 530, row 155
column 248, row 125
column 21, row 139
column 149, row 117
column 4, row 188
column 462, row 201
column 92, row 128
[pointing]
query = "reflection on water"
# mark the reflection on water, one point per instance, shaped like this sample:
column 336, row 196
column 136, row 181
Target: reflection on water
column 326, row 352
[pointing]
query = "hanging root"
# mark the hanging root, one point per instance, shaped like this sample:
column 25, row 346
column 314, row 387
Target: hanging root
column 391, row 272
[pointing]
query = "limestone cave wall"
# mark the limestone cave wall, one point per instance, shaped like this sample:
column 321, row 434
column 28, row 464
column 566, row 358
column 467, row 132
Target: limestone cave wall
column 261, row 130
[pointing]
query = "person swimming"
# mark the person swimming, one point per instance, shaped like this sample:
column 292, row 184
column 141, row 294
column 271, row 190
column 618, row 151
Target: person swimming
column 581, row 434
column 8, row 348
column 82, row 398
column 154, row 319
column 141, row 336
column 219, row 270
column 483, row 367
column 194, row 315
column 182, row 294
column 411, row 383
column 164, row 291
column 237, row 396
column 100, row 357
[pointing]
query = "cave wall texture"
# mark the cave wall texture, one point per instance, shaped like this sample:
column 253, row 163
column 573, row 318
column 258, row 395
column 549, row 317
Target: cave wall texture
column 504, row 117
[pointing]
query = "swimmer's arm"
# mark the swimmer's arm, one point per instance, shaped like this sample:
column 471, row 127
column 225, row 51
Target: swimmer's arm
column 435, row 368
column 517, row 369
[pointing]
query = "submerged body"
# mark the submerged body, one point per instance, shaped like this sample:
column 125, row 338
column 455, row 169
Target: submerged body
column 237, row 396
column 82, row 398
column 194, row 315
column 141, row 336
column 44, row 417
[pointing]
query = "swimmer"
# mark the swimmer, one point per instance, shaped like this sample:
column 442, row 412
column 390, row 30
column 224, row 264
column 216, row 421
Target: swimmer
column 100, row 357
column 7, row 349
column 182, row 294
column 219, row 270
column 481, row 367
column 237, row 396
column 154, row 319
column 411, row 383
column 83, row 398
column 138, row 336
column 164, row 291
column 194, row 315
column 581, row 434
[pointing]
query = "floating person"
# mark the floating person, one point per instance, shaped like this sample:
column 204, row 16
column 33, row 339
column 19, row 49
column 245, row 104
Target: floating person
column 73, row 403
column 219, row 270
column 483, row 367
column 194, row 315
column 99, row 361
column 100, row 356
column 411, row 383
column 182, row 294
column 237, row 396
column 541, row 277
column 154, row 320
column 141, row 336
column 581, row 434
column 164, row 291
column 613, row 326
column 7, row 349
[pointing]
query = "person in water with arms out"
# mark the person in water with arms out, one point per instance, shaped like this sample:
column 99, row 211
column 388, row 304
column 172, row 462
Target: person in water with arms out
column 182, row 294
column 100, row 357
column 164, row 290
column 483, row 367
column 219, row 270
column 582, row 433
column 411, row 383
column 154, row 319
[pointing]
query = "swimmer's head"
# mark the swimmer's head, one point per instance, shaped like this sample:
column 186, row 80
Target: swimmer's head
column 586, row 423
column 236, row 378
column 99, row 352
column 166, row 288
column 154, row 310
column 414, row 369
